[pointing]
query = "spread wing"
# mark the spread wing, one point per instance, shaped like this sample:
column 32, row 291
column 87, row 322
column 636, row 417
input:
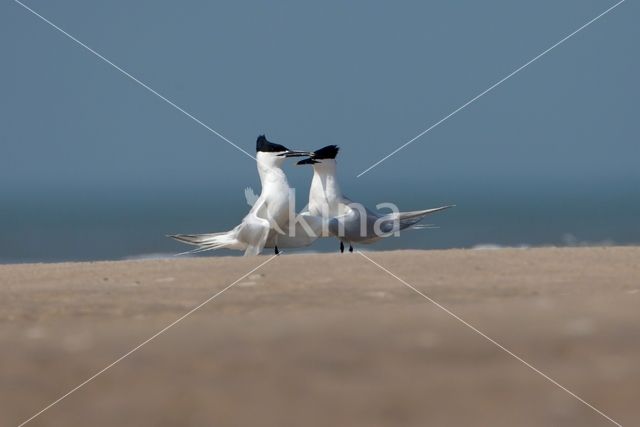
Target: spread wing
column 250, row 196
column 254, row 229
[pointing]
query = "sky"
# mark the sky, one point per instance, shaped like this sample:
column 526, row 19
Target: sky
column 368, row 76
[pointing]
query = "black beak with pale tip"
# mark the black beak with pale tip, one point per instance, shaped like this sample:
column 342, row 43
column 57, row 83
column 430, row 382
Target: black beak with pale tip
column 294, row 153
column 266, row 146
column 308, row 161
column 328, row 152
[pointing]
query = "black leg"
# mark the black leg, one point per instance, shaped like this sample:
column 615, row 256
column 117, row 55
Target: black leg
column 277, row 251
column 350, row 248
column 341, row 247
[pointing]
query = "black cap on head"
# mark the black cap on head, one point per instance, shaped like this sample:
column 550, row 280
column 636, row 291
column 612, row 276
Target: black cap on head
column 262, row 144
column 328, row 152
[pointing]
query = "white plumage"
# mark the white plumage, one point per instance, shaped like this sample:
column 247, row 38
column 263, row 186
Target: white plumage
column 349, row 221
column 269, row 214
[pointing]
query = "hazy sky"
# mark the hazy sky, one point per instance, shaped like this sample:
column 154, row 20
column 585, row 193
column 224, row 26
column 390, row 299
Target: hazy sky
column 365, row 75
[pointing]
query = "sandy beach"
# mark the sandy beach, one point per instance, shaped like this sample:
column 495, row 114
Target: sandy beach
column 326, row 340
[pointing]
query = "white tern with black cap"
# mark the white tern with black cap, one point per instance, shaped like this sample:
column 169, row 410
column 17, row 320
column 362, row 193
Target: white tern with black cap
column 269, row 214
column 345, row 219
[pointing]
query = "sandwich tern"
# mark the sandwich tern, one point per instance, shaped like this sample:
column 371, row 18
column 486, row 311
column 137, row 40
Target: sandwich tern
column 345, row 219
column 268, row 216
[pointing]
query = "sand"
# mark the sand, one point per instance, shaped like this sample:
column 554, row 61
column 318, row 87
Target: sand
column 326, row 340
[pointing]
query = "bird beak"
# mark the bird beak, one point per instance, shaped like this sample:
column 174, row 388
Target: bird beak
column 308, row 161
column 294, row 153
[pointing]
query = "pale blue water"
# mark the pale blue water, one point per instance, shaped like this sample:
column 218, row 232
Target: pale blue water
column 51, row 228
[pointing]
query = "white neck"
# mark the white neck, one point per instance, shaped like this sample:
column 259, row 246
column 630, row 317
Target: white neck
column 325, row 193
column 270, row 170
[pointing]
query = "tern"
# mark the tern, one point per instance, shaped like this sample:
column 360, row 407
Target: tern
column 347, row 220
column 269, row 214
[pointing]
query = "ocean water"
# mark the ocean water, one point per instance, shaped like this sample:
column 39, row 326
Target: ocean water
column 87, row 226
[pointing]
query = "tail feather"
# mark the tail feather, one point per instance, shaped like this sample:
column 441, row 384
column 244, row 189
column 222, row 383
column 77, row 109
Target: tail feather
column 207, row 242
column 407, row 219
column 423, row 213
column 195, row 239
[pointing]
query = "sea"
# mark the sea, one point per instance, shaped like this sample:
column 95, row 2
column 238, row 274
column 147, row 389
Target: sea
column 90, row 226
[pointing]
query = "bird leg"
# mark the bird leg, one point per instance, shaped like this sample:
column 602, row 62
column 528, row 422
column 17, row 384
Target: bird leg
column 341, row 247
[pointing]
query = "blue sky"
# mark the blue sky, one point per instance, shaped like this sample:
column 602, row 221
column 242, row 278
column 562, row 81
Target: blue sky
column 367, row 76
